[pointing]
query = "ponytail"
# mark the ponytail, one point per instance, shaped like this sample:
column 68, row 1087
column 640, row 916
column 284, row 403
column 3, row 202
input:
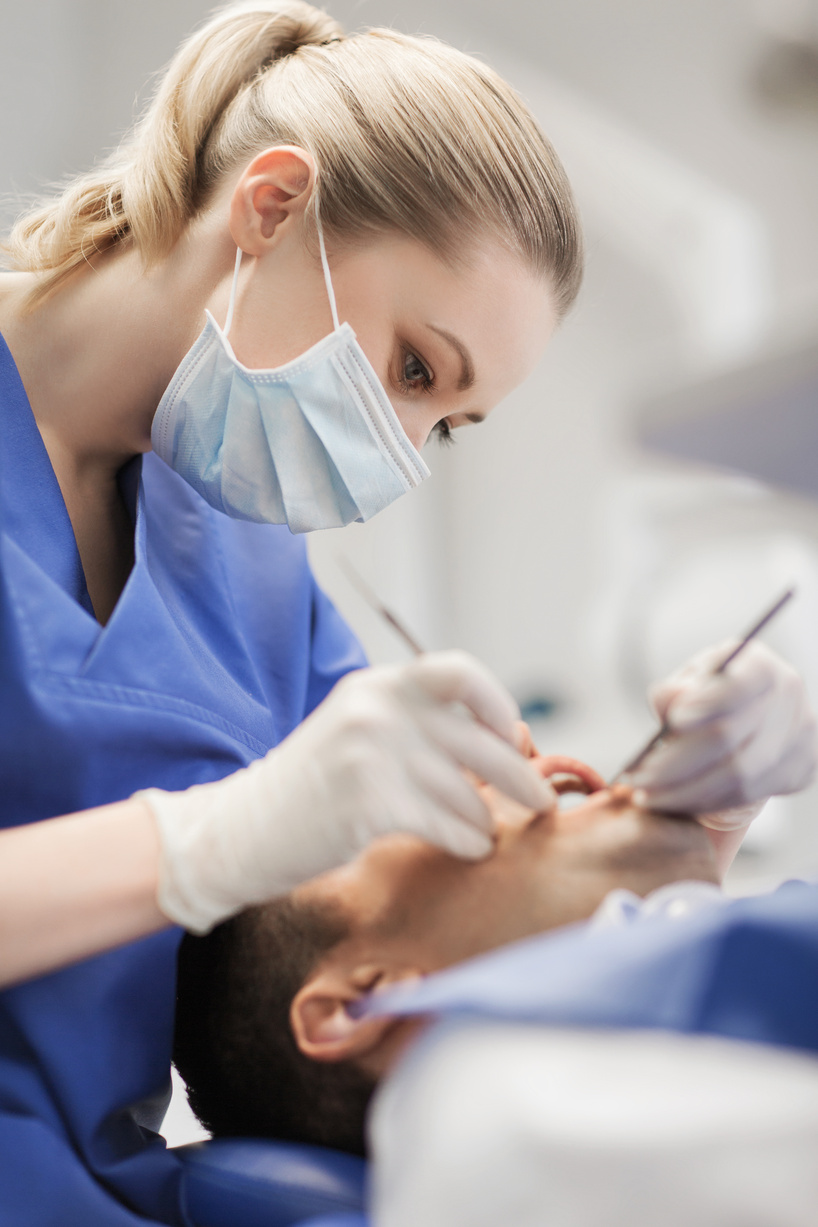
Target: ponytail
column 150, row 187
column 409, row 136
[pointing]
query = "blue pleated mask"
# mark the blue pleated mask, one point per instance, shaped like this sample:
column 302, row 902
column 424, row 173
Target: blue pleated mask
column 312, row 444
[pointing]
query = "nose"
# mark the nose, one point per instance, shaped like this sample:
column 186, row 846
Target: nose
column 621, row 794
column 418, row 422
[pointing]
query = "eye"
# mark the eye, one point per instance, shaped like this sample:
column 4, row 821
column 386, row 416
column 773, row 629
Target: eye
column 415, row 375
column 444, row 433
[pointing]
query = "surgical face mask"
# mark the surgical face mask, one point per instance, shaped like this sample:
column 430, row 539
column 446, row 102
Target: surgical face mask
column 312, row 444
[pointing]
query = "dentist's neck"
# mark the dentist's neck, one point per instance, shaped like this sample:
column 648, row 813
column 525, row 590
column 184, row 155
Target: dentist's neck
column 97, row 356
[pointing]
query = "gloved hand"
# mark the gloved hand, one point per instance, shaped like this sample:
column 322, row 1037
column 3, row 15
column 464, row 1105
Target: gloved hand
column 386, row 751
column 738, row 738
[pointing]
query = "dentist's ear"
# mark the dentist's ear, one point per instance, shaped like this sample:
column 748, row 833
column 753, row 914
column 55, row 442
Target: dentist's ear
column 322, row 1024
column 276, row 185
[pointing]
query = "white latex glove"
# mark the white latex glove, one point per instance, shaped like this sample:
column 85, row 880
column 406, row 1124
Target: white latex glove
column 385, row 752
column 738, row 738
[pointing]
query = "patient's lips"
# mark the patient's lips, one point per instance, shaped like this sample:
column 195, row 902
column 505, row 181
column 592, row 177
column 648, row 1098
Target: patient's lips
column 570, row 774
column 566, row 774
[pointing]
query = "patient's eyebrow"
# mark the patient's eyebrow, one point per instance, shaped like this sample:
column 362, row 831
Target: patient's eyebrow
column 466, row 379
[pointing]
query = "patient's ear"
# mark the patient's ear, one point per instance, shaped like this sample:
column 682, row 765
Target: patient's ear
column 323, row 1027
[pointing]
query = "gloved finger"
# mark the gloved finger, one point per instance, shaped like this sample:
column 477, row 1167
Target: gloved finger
column 456, row 677
column 743, row 776
column 425, row 795
column 479, row 750
column 778, row 758
column 459, row 838
column 777, row 755
column 756, row 673
column 661, row 694
column 437, row 780
column 685, row 756
column 778, row 733
column 790, row 773
column 720, row 697
column 726, row 784
column 716, row 789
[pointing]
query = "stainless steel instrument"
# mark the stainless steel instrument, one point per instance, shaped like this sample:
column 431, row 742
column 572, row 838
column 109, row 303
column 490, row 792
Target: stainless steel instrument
column 666, row 729
column 373, row 600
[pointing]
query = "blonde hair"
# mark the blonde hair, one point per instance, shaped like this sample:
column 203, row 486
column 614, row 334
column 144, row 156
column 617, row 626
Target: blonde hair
column 409, row 135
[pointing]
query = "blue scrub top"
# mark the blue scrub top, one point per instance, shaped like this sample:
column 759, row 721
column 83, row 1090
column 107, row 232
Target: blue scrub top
column 221, row 643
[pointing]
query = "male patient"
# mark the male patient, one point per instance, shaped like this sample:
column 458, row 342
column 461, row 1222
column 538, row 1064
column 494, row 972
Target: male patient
column 488, row 1120
column 268, row 1039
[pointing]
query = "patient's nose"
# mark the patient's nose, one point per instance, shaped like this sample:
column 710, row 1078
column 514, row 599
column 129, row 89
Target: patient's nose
column 621, row 794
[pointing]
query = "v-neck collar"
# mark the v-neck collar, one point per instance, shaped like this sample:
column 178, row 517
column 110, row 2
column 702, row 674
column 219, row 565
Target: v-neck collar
column 34, row 510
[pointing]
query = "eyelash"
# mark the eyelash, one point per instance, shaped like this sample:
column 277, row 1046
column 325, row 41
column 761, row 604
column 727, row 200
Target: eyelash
column 444, row 433
column 425, row 384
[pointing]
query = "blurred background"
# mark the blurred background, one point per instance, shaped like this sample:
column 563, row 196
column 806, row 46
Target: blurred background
column 571, row 542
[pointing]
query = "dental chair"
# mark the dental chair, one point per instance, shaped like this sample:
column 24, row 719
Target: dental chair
column 248, row 1182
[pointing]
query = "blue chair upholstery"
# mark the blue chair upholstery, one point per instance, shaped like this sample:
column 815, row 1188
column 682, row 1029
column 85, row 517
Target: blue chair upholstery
column 338, row 1220
column 238, row 1182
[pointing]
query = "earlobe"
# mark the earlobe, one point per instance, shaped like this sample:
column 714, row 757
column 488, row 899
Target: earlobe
column 278, row 184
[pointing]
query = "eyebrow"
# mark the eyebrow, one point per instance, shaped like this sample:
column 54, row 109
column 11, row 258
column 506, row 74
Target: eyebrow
column 466, row 379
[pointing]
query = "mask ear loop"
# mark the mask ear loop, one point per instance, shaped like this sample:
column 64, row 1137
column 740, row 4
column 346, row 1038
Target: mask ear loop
column 327, row 280
column 325, row 265
column 233, row 288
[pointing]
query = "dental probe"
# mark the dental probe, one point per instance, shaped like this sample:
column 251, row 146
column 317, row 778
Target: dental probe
column 666, row 728
column 374, row 601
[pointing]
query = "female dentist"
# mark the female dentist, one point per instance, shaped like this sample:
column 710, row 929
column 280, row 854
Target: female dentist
column 167, row 659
